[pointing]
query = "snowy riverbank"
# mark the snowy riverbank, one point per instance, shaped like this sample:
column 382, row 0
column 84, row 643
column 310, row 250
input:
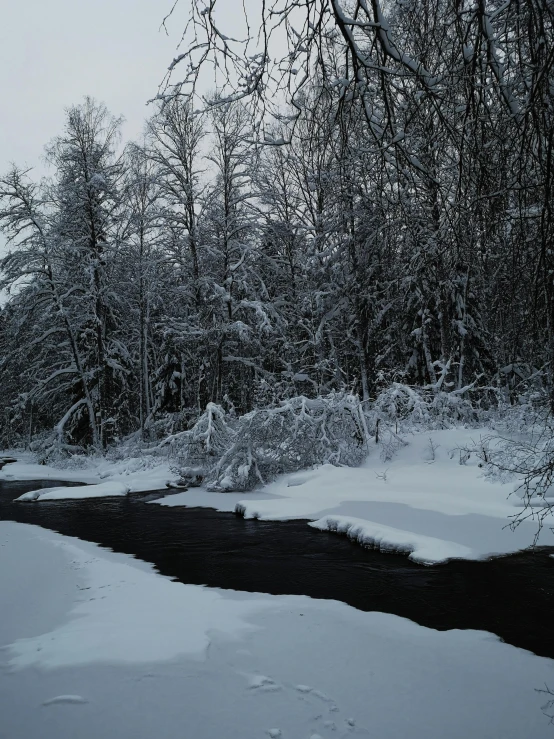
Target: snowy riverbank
column 423, row 501
column 117, row 650
column 137, row 474
column 430, row 500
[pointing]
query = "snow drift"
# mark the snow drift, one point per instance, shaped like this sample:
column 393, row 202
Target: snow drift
column 423, row 549
column 103, row 490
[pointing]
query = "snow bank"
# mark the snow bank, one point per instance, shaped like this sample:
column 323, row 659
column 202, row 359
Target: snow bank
column 127, row 614
column 103, row 490
column 429, row 473
column 424, row 549
column 431, row 491
column 431, row 499
column 114, row 649
column 430, row 488
column 201, row 498
column 139, row 474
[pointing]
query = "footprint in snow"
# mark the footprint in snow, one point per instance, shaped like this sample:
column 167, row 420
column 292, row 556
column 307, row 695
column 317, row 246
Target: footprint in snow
column 307, row 689
column 65, row 699
column 340, row 728
column 264, row 684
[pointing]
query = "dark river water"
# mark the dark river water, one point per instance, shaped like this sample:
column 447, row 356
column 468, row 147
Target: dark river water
column 512, row 597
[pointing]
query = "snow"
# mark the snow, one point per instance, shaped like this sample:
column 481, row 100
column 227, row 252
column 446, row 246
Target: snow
column 424, row 549
column 64, row 699
column 128, row 615
column 139, row 474
column 201, row 498
column 117, row 650
column 102, row 490
column 429, row 498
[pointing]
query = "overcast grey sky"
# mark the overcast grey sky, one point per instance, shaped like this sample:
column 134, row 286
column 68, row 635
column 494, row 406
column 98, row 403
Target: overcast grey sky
column 54, row 52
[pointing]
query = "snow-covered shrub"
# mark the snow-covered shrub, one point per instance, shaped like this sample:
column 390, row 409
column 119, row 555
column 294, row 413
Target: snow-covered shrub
column 198, row 450
column 297, row 434
column 525, row 456
column 423, row 407
column 51, row 448
column 169, row 424
column 520, row 383
column 526, row 419
column 226, row 452
column 401, row 409
column 73, row 462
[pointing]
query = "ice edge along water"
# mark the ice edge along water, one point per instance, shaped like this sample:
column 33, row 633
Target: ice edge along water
column 423, row 501
column 102, row 490
column 422, row 549
column 131, row 653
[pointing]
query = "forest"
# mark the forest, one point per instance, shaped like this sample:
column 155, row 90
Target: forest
column 388, row 222
column 277, row 369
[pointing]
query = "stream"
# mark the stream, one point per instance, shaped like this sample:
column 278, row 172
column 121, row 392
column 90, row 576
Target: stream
column 512, row 596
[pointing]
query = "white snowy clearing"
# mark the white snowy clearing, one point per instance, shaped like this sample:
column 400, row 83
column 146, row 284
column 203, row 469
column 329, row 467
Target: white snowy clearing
column 116, row 650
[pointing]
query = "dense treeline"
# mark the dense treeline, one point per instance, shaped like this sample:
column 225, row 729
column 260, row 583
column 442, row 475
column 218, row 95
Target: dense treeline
column 403, row 232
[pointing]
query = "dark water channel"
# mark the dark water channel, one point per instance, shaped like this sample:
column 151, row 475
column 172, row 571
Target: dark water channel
column 512, row 596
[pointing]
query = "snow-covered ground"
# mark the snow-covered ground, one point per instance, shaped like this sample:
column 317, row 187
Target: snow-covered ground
column 137, row 474
column 98, row 644
column 101, row 490
column 430, row 500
